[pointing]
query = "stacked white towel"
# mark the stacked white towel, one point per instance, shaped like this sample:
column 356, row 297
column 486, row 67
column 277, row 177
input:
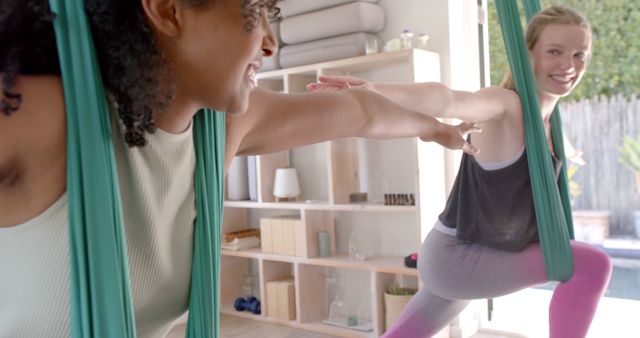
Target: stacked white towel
column 316, row 31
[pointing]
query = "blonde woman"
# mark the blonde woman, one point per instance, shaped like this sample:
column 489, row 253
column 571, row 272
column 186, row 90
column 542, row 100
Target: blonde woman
column 485, row 242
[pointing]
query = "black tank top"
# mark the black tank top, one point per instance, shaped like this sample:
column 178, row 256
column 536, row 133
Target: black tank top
column 493, row 207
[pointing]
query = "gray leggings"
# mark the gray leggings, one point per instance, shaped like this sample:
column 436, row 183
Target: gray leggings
column 455, row 272
column 460, row 270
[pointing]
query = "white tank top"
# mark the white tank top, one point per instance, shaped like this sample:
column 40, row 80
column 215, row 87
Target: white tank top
column 157, row 188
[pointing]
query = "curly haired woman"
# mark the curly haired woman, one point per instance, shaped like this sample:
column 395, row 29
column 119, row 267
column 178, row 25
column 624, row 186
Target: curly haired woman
column 161, row 61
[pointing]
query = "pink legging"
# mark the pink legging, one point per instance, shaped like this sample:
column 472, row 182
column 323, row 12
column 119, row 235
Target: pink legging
column 455, row 272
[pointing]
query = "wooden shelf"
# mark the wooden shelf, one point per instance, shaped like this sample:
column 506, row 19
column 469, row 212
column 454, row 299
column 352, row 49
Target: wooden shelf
column 320, row 205
column 328, row 173
column 257, row 254
column 382, row 264
column 352, row 65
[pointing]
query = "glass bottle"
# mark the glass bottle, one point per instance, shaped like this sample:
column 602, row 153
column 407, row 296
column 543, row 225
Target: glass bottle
column 338, row 312
column 247, row 286
column 406, row 37
column 422, row 41
column 363, row 313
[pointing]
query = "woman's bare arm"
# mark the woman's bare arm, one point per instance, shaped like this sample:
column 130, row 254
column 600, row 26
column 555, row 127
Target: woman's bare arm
column 281, row 121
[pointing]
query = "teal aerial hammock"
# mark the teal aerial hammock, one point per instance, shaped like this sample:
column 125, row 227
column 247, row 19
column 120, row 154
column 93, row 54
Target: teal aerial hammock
column 553, row 210
column 101, row 304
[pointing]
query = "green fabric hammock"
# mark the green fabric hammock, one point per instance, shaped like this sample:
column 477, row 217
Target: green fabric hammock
column 553, row 210
column 101, row 304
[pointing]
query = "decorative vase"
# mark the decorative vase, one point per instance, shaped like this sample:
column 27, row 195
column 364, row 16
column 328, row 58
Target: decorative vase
column 393, row 305
column 237, row 180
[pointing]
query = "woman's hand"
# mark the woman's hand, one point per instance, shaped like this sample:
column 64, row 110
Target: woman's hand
column 336, row 83
column 455, row 137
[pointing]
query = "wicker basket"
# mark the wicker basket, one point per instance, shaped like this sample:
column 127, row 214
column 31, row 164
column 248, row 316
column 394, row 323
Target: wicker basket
column 393, row 305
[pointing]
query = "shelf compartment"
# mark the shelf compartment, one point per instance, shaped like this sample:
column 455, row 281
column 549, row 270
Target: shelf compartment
column 320, row 286
column 266, row 166
column 377, row 234
column 321, row 205
column 344, row 177
column 274, row 271
column 235, row 269
column 275, row 84
column 382, row 264
column 297, row 83
column 310, row 164
column 314, row 222
column 381, row 282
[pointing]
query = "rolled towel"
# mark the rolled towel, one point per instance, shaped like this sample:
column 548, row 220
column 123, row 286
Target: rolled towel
column 335, row 21
column 324, row 50
column 295, row 7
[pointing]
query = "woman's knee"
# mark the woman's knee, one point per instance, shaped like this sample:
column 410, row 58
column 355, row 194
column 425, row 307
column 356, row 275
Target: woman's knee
column 591, row 262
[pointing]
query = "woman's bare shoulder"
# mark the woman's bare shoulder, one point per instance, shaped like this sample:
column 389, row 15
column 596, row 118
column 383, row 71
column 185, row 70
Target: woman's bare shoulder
column 33, row 146
column 39, row 119
column 508, row 95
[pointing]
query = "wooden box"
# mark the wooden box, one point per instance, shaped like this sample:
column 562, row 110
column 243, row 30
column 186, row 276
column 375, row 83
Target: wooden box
column 283, row 235
column 265, row 235
column 281, row 299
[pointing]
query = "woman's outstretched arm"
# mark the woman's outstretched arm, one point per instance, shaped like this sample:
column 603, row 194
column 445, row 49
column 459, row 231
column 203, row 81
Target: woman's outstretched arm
column 433, row 98
column 275, row 122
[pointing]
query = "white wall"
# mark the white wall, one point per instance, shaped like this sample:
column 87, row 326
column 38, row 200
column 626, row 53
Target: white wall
column 452, row 28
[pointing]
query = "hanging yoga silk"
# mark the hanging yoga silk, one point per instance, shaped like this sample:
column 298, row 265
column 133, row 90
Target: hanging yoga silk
column 553, row 212
column 100, row 291
column 531, row 7
column 101, row 304
column 209, row 134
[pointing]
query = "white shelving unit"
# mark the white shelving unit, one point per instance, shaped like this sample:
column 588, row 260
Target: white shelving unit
column 328, row 173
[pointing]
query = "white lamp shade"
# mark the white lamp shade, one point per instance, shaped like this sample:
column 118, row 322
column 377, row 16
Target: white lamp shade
column 286, row 183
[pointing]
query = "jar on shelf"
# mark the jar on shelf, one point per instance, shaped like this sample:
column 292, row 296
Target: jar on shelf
column 338, row 312
column 363, row 313
column 406, row 38
column 422, row 40
column 249, row 285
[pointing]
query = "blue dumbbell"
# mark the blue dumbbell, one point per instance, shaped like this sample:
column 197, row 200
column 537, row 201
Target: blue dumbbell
column 251, row 304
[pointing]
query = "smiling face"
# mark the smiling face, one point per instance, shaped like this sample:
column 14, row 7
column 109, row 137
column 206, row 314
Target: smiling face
column 560, row 57
column 217, row 51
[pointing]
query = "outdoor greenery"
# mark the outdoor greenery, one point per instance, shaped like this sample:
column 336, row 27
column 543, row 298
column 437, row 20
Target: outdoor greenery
column 630, row 155
column 399, row 291
column 614, row 65
column 574, row 187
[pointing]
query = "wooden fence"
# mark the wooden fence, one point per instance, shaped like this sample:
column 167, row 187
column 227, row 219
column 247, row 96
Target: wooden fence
column 596, row 126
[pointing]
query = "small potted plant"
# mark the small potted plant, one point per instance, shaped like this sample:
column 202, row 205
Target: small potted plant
column 575, row 190
column 630, row 157
column 574, row 157
column 395, row 300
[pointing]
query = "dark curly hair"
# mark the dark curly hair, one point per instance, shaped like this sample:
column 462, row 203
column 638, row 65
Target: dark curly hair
column 132, row 65
column 27, row 46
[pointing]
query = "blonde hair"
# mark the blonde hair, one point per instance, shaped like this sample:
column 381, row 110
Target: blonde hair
column 552, row 15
